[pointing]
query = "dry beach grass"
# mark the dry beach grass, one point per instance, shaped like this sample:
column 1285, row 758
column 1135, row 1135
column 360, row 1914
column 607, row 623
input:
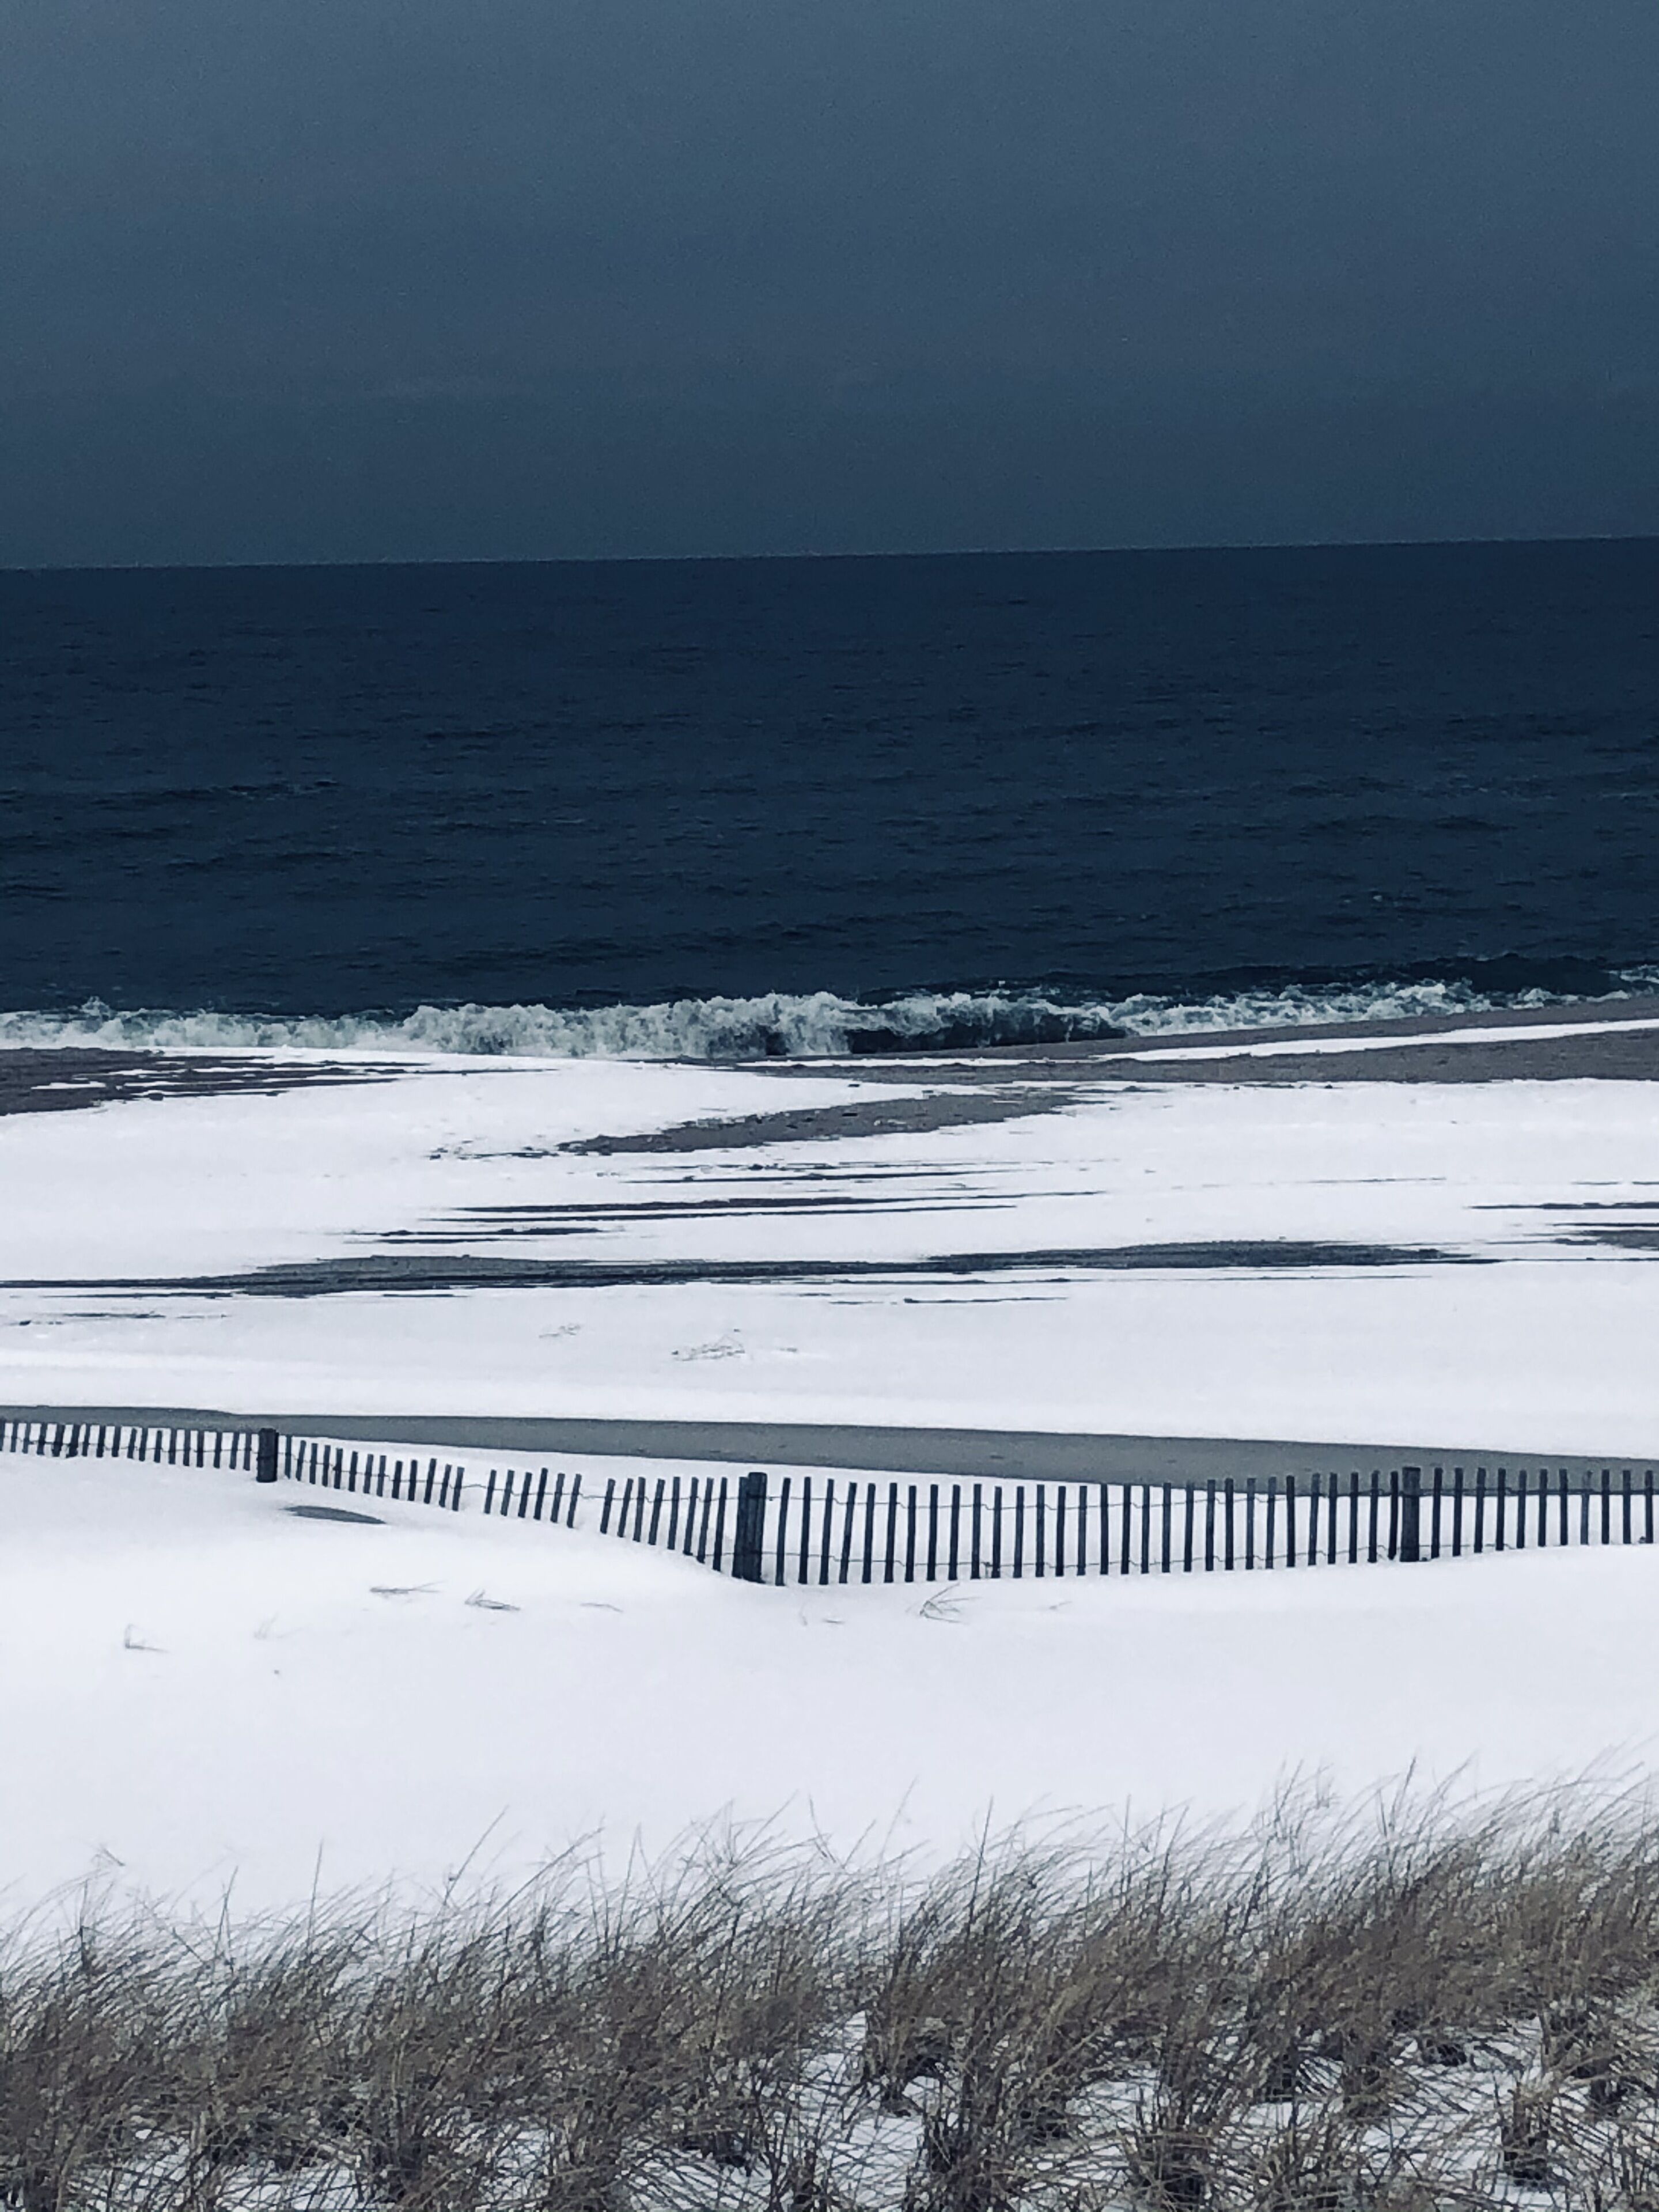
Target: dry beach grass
column 1398, row 2005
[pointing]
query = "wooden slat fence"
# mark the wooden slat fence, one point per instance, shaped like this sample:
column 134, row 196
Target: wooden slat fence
column 231, row 1448
column 365, row 1474
column 804, row 1529
column 812, row 1529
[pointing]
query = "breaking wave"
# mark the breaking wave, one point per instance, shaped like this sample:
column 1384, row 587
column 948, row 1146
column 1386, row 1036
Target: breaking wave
column 817, row 1024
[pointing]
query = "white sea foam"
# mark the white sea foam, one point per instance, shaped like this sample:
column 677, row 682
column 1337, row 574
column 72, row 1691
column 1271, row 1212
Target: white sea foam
column 810, row 1025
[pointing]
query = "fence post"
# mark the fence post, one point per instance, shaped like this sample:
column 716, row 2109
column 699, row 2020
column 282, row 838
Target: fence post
column 750, row 1535
column 1411, row 1512
column 267, row 1471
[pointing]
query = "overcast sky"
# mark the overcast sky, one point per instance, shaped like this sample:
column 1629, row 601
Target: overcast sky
column 324, row 279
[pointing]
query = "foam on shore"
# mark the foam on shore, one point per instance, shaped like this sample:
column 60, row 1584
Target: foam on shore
column 820, row 1024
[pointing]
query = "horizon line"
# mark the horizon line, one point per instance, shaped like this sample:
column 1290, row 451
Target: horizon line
column 801, row 556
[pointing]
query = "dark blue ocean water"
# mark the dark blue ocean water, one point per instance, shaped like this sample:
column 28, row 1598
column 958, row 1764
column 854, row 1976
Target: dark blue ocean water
column 1044, row 782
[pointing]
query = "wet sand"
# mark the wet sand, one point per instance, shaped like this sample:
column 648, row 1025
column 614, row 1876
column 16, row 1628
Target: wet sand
column 1612, row 1043
column 1545, row 1044
column 1578, row 1014
column 1610, row 1040
column 58, row 1079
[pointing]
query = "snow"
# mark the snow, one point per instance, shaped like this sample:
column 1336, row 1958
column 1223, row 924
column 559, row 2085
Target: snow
column 1544, row 1350
column 202, row 1692
column 198, row 1689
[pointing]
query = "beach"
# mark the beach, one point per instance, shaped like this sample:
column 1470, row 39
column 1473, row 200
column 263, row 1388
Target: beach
column 1195, row 1239
column 1253, row 1255
column 263, row 1705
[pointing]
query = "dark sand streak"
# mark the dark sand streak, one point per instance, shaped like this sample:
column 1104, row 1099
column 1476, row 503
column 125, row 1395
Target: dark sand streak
column 60, row 1079
column 394, row 1273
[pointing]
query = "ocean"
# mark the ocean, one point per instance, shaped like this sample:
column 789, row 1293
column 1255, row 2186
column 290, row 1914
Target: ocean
column 725, row 808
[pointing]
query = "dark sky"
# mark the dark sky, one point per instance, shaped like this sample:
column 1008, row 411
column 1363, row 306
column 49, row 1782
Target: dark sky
column 367, row 279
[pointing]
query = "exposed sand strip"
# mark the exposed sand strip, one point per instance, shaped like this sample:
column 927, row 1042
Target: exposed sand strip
column 969, row 1455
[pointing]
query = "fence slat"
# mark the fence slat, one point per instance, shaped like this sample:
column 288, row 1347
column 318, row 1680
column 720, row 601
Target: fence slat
column 748, row 1530
column 1410, row 1515
column 778, row 1575
column 1056, row 1542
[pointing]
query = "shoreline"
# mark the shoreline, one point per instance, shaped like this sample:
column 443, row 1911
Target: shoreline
column 1597, row 1039
column 1575, row 1012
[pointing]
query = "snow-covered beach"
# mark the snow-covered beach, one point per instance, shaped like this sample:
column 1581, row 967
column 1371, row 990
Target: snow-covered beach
column 204, row 1694
column 1072, row 1244
column 1285, row 1237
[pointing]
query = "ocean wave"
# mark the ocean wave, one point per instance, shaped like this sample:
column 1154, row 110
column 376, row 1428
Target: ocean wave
column 814, row 1025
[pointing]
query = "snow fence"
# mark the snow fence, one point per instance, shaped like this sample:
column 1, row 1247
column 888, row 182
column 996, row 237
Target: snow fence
column 840, row 1529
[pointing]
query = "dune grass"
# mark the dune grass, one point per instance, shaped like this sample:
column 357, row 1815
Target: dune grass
column 1395, row 2005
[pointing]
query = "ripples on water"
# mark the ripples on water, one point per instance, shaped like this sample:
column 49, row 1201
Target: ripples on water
column 728, row 807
